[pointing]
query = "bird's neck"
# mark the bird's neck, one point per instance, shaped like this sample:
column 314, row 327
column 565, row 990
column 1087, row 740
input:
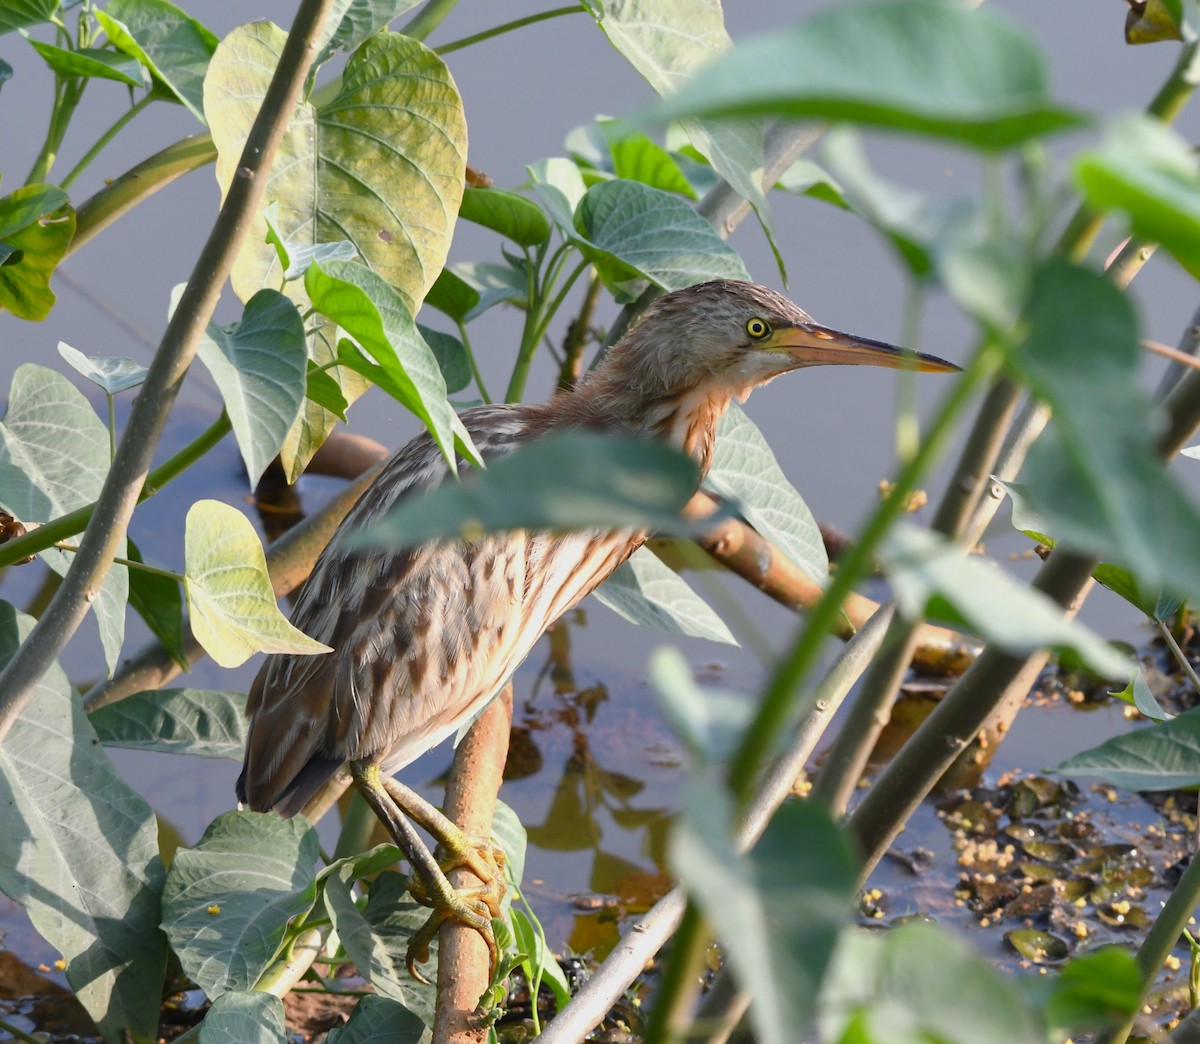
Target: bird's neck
column 604, row 402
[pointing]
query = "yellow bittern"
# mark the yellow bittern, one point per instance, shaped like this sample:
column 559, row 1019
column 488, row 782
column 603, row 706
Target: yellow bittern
column 425, row 636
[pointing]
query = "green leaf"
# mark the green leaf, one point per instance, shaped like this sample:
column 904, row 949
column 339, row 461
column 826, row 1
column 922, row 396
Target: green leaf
column 932, row 577
column 638, row 158
column 1148, row 171
column 54, row 456
column 378, row 318
column 510, row 214
column 571, row 480
column 94, row 62
column 294, row 258
column 81, row 853
column 1138, row 693
column 560, row 186
column 113, row 374
column 248, row 1018
column 777, row 910
column 451, row 355
column 380, row 164
column 806, row 178
column 648, row 592
column 176, row 721
column 232, row 606
column 711, row 722
column 380, row 1020
column 260, row 366
column 1094, row 477
column 1095, row 990
column 1164, row 756
column 228, row 901
column 669, row 42
column 158, row 600
column 37, row 225
column 541, row 961
column 918, row 227
column 453, row 295
column 325, row 391
column 1155, row 604
column 510, row 834
column 17, row 13
column 969, row 76
column 359, row 19
column 171, row 44
column 376, row 937
column 631, row 231
column 918, row 983
column 745, row 471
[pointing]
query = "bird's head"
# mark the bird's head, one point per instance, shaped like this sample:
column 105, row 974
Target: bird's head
column 737, row 336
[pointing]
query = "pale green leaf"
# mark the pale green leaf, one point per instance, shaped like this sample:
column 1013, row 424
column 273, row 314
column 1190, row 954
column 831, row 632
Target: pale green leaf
column 244, row 1018
column 632, row 232
column 380, row 163
column 744, row 470
column 970, row 76
column 669, row 42
column 380, row 1020
column 232, row 606
column 171, row 44
column 571, row 480
column 17, row 13
column 932, row 577
column 54, row 456
column 228, row 901
column 112, row 373
column 176, row 721
column 260, row 366
column 376, row 937
column 352, row 21
column 918, row 983
column 777, row 910
column 1163, row 756
column 1148, row 171
column 81, row 853
column 1138, row 693
column 648, row 592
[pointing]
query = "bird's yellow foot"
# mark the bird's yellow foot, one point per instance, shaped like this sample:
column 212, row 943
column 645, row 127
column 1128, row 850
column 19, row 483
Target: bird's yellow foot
column 472, row 910
column 474, row 905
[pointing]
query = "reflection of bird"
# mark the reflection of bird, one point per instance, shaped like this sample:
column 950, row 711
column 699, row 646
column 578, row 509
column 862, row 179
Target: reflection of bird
column 425, row 636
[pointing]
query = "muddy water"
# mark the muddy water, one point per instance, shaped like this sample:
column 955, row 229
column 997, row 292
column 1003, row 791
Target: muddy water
column 597, row 773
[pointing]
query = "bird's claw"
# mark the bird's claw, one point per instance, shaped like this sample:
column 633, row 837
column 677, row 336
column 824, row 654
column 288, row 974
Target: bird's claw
column 475, row 912
column 474, row 905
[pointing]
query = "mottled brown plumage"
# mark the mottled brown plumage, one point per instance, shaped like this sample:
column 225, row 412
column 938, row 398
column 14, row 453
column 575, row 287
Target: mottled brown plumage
column 423, row 637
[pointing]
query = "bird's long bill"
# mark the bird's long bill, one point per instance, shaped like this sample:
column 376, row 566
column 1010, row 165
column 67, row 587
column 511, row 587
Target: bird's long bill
column 813, row 345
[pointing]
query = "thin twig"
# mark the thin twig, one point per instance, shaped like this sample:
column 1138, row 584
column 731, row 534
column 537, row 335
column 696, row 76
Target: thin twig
column 122, row 487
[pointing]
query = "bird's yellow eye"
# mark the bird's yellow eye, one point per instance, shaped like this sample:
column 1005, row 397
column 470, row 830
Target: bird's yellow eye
column 758, row 328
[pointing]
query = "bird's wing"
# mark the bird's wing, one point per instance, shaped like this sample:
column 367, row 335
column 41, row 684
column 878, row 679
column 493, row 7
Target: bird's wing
column 299, row 704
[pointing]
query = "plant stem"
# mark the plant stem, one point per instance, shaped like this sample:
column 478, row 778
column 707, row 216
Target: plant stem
column 577, row 335
column 123, row 486
column 475, row 372
column 429, row 19
column 127, row 562
column 67, row 93
column 777, row 706
column 507, row 27
column 1161, row 940
column 1178, row 653
column 136, row 184
column 75, row 522
column 105, row 138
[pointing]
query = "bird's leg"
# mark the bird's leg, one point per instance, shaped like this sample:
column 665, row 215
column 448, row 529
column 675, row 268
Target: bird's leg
column 483, row 858
column 435, row 891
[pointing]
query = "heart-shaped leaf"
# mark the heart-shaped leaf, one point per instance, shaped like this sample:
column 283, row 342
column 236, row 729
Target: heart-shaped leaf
column 37, row 225
column 232, row 606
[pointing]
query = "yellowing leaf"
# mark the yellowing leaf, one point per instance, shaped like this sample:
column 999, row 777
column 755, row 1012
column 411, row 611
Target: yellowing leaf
column 232, row 606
